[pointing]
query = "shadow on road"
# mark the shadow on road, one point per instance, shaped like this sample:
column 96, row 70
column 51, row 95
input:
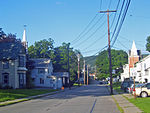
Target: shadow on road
column 91, row 90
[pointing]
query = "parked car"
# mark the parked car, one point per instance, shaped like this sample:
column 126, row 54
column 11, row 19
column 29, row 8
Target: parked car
column 125, row 85
column 130, row 89
column 101, row 82
column 142, row 90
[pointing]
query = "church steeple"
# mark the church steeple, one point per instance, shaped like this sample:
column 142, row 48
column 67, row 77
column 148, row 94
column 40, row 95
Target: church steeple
column 134, row 50
column 24, row 35
column 133, row 56
column 24, row 40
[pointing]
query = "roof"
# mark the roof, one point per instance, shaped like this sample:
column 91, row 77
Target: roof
column 133, row 50
column 11, row 50
column 41, row 62
column 61, row 74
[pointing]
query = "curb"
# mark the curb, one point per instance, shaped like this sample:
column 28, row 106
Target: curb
column 31, row 97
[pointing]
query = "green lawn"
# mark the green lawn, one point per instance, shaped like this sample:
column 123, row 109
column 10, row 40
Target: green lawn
column 117, row 87
column 11, row 94
column 142, row 103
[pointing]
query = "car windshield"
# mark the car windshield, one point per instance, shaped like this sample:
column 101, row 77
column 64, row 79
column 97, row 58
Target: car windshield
column 139, row 85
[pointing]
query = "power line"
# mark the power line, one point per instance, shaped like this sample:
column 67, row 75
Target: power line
column 90, row 35
column 79, row 36
column 84, row 29
column 103, row 34
column 122, row 20
column 97, row 52
column 118, row 20
column 115, row 14
column 123, row 45
column 92, row 44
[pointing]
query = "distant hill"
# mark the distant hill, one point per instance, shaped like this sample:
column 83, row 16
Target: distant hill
column 90, row 60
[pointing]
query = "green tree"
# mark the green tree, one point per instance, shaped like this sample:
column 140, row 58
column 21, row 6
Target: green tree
column 42, row 49
column 119, row 58
column 61, row 60
column 148, row 44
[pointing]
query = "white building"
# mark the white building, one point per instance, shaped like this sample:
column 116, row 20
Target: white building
column 133, row 58
column 125, row 73
column 141, row 71
column 42, row 73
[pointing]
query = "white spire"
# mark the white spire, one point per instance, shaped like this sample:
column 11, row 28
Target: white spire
column 133, row 50
column 24, row 36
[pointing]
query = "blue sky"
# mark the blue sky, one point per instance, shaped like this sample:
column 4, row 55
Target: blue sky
column 64, row 20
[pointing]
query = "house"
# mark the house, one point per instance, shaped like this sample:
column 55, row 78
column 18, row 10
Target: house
column 63, row 78
column 141, row 71
column 41, row 73
column 133, row 57
column 12, row 63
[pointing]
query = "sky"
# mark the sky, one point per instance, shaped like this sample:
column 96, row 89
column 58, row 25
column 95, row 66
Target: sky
column 77, row 22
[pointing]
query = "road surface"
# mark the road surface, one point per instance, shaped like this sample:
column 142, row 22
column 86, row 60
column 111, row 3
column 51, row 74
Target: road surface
column 86, row 99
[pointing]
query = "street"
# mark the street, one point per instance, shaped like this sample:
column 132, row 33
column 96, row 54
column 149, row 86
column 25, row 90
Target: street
column 85, row 99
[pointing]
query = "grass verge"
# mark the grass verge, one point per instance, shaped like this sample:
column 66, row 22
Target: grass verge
column 117, row 87
column 12, row 94
column 120, row 108
column 141, row 103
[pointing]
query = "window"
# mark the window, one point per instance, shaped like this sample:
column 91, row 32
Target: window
column 41, row 71
column 41, row 81
column 5, row 78
column 21, row 80
column 5, row 64
column 21, row 61
column 148, row 86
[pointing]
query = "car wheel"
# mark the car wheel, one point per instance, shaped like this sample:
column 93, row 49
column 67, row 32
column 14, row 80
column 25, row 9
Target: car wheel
column 144, row 94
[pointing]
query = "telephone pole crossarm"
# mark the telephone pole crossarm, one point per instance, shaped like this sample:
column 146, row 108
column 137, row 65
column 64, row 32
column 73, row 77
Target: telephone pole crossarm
column 107, row 11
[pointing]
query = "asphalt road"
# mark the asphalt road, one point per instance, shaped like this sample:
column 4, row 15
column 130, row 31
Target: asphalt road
column 86, row 99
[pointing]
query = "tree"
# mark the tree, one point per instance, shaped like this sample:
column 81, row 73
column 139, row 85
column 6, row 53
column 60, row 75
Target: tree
column 61, row 60
column 148, row 44
column 119, row 58
column 42, row 49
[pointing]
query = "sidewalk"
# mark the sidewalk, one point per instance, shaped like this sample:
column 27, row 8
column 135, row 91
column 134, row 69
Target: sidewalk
column 31, row 97
column 125, row 104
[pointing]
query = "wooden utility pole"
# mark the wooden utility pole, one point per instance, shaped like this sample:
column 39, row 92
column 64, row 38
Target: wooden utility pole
column 109, row 50
column 69, row 66
column 78, row 69
column 84, row 72
column 87, row 74
column 95, row 72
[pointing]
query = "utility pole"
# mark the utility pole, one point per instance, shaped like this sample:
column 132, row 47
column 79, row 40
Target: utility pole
column 95, row 72
column 69, row 66
column 109, row 50
column 87, row 74
column 78, row 69
column 84, row 72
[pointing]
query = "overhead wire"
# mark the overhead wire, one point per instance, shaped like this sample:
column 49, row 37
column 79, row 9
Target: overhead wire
column 92, row 44
column 79, row 36
column 110, row 27
column 97, row 52
column 81, row 43
column 122, row 20
column 123, row 45
column 117, row 21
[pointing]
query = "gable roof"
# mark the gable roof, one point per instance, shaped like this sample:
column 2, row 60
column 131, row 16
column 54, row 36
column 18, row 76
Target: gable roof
column 41, row 62
column 11, row 50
